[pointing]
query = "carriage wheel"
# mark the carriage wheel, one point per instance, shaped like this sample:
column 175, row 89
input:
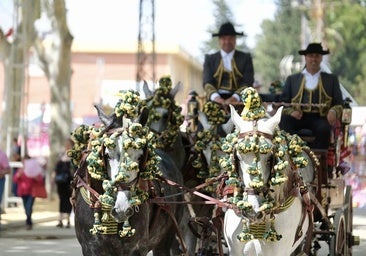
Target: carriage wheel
column 348, row 214
column 338, row 241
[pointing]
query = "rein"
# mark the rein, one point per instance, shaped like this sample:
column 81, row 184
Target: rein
column 209, row 199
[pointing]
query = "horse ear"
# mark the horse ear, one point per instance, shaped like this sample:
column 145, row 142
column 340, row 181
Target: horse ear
column 176, row 89
column 147, row 91
column 103, row 117
column 203, row 120
column 228, row 126
column 274, row 120
column 240, row 124
column 236, row 119
column 144, row 116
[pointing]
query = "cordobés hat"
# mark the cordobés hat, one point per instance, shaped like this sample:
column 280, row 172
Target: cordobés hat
column 227, row 29
column 314, row 48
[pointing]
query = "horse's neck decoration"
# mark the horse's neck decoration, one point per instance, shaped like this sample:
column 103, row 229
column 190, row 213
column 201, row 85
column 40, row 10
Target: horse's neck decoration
column 209, row 140
column 261, row 164
column 165, row 116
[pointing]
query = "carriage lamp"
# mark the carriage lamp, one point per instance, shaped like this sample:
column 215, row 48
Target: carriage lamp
column 347, row 112
column 192, row 110
column 346, row 119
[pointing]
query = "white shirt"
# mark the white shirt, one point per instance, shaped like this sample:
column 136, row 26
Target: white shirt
column 311, row 81
column 226, row 58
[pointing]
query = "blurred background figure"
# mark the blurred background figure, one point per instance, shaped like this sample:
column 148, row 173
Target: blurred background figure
column 4, row 170
column 27, row 178
column 63, row 177
column 15, row 157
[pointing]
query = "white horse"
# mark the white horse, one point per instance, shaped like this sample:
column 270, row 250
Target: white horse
column 273, row 201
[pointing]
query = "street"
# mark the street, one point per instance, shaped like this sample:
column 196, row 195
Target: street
column 46, row 239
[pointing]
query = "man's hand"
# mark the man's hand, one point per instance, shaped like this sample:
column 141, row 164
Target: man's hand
column 219, row 100
column 332, row 117
column 231, row 100
column 297, row 114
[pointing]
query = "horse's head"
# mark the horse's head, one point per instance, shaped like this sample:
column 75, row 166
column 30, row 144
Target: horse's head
column 122, row 148
column 124, row 156
column 254, row 155
column 210, row 137
column 213, row 127
column 164, row 114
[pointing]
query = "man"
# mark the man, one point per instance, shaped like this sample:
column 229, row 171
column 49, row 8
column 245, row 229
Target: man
column 228, row 71
column 315, row 96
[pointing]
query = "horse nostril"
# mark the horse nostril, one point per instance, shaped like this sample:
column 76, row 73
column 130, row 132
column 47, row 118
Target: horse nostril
column 260, row 215
column 129, row 212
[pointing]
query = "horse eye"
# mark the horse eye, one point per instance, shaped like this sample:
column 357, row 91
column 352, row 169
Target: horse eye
column 164, row 116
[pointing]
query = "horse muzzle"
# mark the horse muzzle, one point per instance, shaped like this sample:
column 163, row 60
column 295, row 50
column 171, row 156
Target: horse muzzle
column 254, row 216
column 122, row 215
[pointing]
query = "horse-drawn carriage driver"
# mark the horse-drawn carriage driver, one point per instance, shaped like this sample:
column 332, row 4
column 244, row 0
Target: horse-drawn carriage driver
column 227, row 71
column 316, row 97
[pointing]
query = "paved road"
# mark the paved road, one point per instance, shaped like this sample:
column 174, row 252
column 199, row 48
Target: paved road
column 46, row 239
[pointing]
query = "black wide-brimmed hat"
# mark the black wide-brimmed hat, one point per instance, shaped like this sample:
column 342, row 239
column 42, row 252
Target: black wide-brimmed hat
column 227, row 29
column 314, row 48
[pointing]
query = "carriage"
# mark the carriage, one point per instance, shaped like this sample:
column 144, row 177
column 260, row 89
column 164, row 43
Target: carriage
column 141, row 206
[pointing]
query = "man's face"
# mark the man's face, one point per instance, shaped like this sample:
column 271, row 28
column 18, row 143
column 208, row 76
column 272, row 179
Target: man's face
column 227, row 43
column 313, row 61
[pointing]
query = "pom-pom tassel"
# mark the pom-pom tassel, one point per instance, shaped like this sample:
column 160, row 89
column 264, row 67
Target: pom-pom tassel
column 245, row 235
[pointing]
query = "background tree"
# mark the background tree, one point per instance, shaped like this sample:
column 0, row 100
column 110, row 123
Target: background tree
column 280, row 37
column 346, row 26
column 14, row 50
column 222, row 14
column 53, row 49
column 54, row 53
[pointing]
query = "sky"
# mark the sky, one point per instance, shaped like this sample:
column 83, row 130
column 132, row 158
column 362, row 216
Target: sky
column 182, row 22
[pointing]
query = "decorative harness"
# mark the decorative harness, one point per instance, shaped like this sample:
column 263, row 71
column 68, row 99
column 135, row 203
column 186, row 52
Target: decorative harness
column 258, row 229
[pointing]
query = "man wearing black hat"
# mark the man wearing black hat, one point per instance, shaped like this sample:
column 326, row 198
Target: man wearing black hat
column 316, row 98
column 228, row 71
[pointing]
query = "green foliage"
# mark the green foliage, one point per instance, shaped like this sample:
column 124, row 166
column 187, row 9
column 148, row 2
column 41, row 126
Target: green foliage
column 279, row 38
column 222, row 14
column 346, row 26
column 343, row 34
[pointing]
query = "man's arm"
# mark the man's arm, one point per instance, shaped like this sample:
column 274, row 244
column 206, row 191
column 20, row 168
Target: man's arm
column 209, row 82
column 245, row 66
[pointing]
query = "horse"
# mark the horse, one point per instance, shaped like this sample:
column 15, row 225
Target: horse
column 165, row 120
column 121, row 191
column 271, row 212
column 206, row 220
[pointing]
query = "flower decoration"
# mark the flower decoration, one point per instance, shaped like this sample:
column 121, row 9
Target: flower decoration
column 253, row 109
column 126, row 140
column 128, row 105
column 80, row 136
column 127, row 230
column 245, row 235
column 271, row 234
column 163, row 99
column 276, row 87
column 215, row 113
